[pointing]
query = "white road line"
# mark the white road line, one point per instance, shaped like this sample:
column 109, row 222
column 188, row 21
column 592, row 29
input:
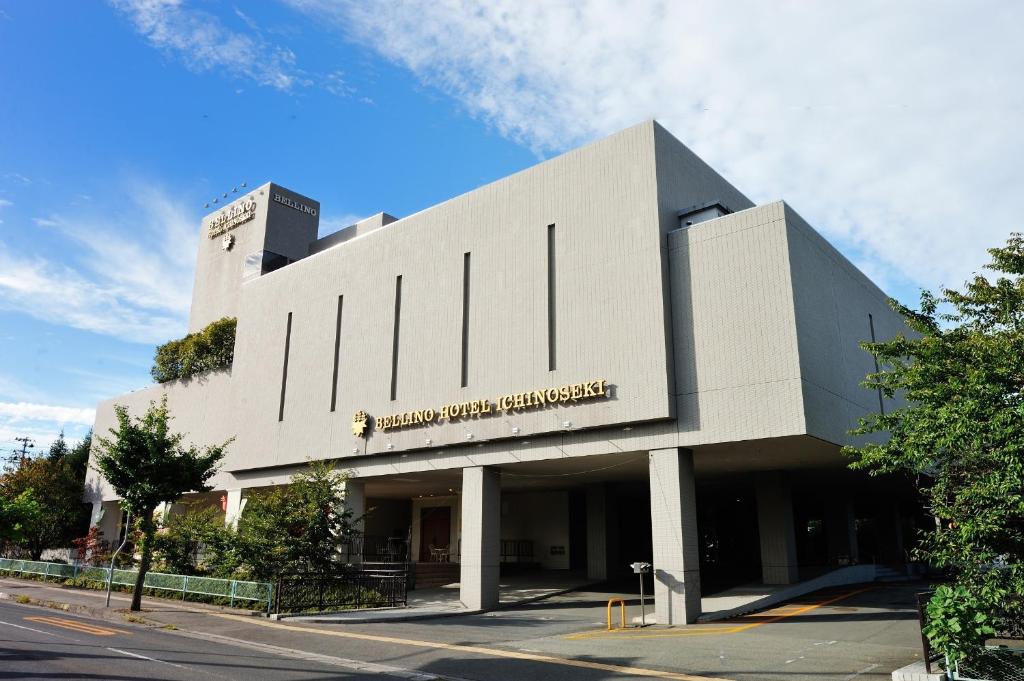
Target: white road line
column 143, row 657
column 862, row 671
column 38, row 631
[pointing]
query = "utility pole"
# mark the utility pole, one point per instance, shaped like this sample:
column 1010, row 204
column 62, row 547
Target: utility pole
column 27, row 443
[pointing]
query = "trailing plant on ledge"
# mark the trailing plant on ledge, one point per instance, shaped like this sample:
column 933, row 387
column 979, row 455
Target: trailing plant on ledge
column 207, row 350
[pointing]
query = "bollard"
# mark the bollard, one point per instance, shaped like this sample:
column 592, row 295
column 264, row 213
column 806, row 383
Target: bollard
column 622, row 612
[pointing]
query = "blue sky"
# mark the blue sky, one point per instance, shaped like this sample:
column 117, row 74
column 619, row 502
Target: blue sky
column 893, row 129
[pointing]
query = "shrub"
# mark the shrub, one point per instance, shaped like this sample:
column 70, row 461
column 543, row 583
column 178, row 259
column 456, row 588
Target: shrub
column 207, row 350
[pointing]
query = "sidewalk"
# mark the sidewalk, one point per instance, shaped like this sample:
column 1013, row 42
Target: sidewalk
column 88, row 601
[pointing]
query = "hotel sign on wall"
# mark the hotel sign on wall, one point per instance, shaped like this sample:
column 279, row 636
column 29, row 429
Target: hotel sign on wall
column 513, row 402
column 232, row 217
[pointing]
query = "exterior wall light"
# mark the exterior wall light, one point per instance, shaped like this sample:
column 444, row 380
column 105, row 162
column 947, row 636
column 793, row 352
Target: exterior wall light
column 390, row 446
column 567, row 424
column 469, row 436
column 515, row 430
column 428, row 441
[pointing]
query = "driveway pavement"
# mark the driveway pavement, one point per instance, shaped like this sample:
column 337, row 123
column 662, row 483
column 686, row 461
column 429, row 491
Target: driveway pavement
column 860, row 632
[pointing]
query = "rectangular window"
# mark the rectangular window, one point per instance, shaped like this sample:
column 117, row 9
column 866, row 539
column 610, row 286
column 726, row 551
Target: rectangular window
column 284, row 368
column 551, row 298
column 337, row 355
column 871, row 324
column 394, row 339
column 465, row 320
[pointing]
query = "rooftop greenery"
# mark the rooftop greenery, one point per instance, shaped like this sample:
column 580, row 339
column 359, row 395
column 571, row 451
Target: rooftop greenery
column 207, row 350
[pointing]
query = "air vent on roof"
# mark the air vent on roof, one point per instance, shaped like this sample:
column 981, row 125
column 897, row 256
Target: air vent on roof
column 702, row 213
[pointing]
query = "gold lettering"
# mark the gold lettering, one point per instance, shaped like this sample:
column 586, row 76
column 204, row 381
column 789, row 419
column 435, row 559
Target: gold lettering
column 428, row 415
column 474, row 407
column 518, row 401
column 576, row 391
column 485, row 406
column 551, row 394
column 600, row 386
column 563, row 393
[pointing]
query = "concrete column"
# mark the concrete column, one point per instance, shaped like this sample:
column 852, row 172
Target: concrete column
column 775, row 525
column 233, row 507
column 162, row 513
column 355, row 501
column 602, row 532
column 841, row 531
column 480, row 561
column 96, row 516
column 108, row 518
column 674, row 534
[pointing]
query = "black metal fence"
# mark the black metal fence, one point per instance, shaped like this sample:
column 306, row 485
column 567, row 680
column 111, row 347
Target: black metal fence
column 374, row 549
column 930, row 654
column 380, row 587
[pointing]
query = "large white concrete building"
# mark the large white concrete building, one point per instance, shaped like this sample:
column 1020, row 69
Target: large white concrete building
column 612, row 356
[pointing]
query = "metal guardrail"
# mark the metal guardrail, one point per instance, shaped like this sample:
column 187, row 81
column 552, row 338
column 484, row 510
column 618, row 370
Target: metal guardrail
column 232, row 589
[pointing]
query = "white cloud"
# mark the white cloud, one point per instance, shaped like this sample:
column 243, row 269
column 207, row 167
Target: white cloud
column 28, row 411
column 894, row 128
column 126, row 274
column 202, row 41
column 4, row 203
column 42, row 423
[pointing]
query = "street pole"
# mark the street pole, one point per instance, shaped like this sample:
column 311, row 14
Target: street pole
column 110, row 573
column 643, row 620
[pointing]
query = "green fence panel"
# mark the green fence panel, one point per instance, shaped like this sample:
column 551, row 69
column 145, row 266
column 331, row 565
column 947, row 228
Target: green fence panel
column 184, row 584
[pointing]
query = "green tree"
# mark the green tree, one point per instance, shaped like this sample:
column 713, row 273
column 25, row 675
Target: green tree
column 961, row 430
column 58, row 495
column 297, row 527
column 16, row 514
column 147, row 465
column 184, row 534
column 77, row 457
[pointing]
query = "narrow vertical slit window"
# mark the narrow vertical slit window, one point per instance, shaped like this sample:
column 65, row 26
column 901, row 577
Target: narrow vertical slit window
column 552, row 320
column 284, row 366
column 881, row 403
column 394, row 339
column 465, row 320
column 337, row 355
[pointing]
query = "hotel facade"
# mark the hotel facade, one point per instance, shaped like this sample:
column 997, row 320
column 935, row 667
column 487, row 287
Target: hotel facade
column 612, row 356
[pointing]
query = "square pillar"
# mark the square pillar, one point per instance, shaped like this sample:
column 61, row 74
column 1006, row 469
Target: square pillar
column 355, row 501
column 674, row 537
column 602, row 533
column 480, row 561
column 776, row 529
column 841, row 531
column 233, row 506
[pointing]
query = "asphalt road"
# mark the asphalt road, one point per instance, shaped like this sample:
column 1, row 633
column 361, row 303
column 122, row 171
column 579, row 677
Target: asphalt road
column 37, row 643
column 854, row 633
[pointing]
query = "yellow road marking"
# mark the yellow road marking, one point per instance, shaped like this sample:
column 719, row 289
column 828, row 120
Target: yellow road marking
column 769, row 616
column 479, row 650
column 75, row 625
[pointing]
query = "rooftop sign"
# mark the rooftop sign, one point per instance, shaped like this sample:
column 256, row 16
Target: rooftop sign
column 232, row 217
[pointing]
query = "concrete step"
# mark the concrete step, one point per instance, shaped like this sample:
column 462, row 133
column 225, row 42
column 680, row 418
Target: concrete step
column 433, row 575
